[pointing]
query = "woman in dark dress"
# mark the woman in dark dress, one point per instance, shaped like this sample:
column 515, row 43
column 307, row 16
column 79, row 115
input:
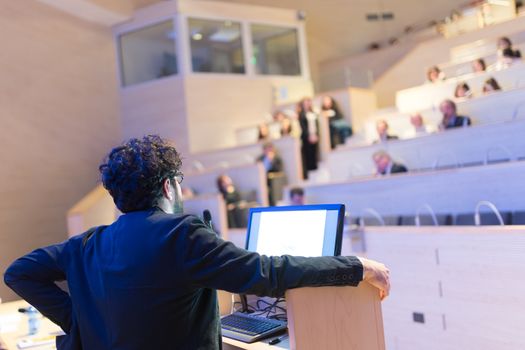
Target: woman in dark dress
column 308, row 120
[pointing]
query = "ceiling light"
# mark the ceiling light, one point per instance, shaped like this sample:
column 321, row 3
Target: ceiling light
column 197, row 36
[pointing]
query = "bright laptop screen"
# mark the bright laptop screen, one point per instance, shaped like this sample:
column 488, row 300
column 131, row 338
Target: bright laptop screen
column 307, row 230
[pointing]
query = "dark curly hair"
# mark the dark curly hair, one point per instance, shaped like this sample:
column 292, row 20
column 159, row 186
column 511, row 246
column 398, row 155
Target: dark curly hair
column 133, row 173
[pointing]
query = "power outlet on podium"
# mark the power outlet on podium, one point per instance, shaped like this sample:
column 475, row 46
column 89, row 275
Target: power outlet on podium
column 418, row 317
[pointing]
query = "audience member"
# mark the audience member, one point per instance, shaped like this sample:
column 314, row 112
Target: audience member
column 385, row 165
column 434, row 74
column 308, row 121
column 278, row 116
column 235, row 205
column 286, row 127
column 490, row 85
column 504, row 43
column 264, row 133
column 462, row 91
column 450, row 118
column 382, row 132
column 479, row 65
column 340, row 130
column 419, row 127
column 297, row 196
column 273, row 165
column 506, row 58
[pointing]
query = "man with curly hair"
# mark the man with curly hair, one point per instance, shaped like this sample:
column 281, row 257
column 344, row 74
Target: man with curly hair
column 149, row 280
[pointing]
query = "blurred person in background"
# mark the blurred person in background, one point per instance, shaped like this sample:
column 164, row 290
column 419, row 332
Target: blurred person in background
column 297, row 196
column 273, row 165
column 340, row 130
column 418, row 126
column 504, row 43
column 434, row 75
column 490, row 85
column 309, row 122
column 235, row 205
column 479, row 65
column 450, row 118
column 385, row 165
column 462, row 91
column 382, row 132
column 264, row 133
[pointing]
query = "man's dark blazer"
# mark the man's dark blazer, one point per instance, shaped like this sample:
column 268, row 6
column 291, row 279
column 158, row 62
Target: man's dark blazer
column 149, row 281
column 398, row 168
column 459, row 122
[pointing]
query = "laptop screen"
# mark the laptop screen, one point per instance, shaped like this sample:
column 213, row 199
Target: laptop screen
column 307, row 230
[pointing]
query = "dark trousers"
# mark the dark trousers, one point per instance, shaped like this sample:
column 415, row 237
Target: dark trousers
column 310, row 155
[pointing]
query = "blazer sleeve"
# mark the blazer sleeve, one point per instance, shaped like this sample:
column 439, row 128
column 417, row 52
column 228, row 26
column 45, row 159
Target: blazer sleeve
column 33, row 278
column 211, row 262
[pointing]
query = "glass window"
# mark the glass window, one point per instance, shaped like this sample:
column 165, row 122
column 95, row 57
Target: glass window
column 148, row 53
column 216, row 46
column 275, row 50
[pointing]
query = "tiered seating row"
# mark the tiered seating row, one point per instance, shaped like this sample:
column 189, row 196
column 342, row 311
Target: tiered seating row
column 473, row 145
column 486, row 109
column 446, row 191
column 430, row 95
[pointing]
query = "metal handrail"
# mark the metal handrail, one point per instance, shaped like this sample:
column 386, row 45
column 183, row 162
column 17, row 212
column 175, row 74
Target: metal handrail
column 491, row 206
column 374, row 213
column 436, row 163
column 499, row 147
column 430, row 210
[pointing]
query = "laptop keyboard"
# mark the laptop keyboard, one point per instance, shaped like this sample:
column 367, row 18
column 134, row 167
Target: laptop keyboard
column 249, row 328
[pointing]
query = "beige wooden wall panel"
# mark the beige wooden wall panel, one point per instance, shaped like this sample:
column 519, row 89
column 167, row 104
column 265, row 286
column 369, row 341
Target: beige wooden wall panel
column 156, row 107
column 95, row 209
column 466, row 280
column 220, row 105
column 59, row 117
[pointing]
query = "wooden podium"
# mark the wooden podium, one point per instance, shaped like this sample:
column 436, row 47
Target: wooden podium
column 335, row 318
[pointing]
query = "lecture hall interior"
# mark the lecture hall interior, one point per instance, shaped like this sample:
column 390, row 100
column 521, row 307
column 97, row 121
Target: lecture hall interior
column 410, row 113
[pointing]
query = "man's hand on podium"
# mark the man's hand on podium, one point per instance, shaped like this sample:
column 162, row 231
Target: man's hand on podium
column 378, row 275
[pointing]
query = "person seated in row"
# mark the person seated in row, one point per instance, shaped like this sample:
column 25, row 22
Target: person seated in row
column 382, row 132
column 506, row 58
column 490, row 85
column 273, row 165
column 264, row 133
column 340, row 130
column 479, row 65
column 285, row 122
column 462, row 91
column 385, row 165
column 297, row 196
column 450, row 118
column 419, row 127
column 434, row 75
column 504, row 43
column 286, row 127
column 236, row 207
